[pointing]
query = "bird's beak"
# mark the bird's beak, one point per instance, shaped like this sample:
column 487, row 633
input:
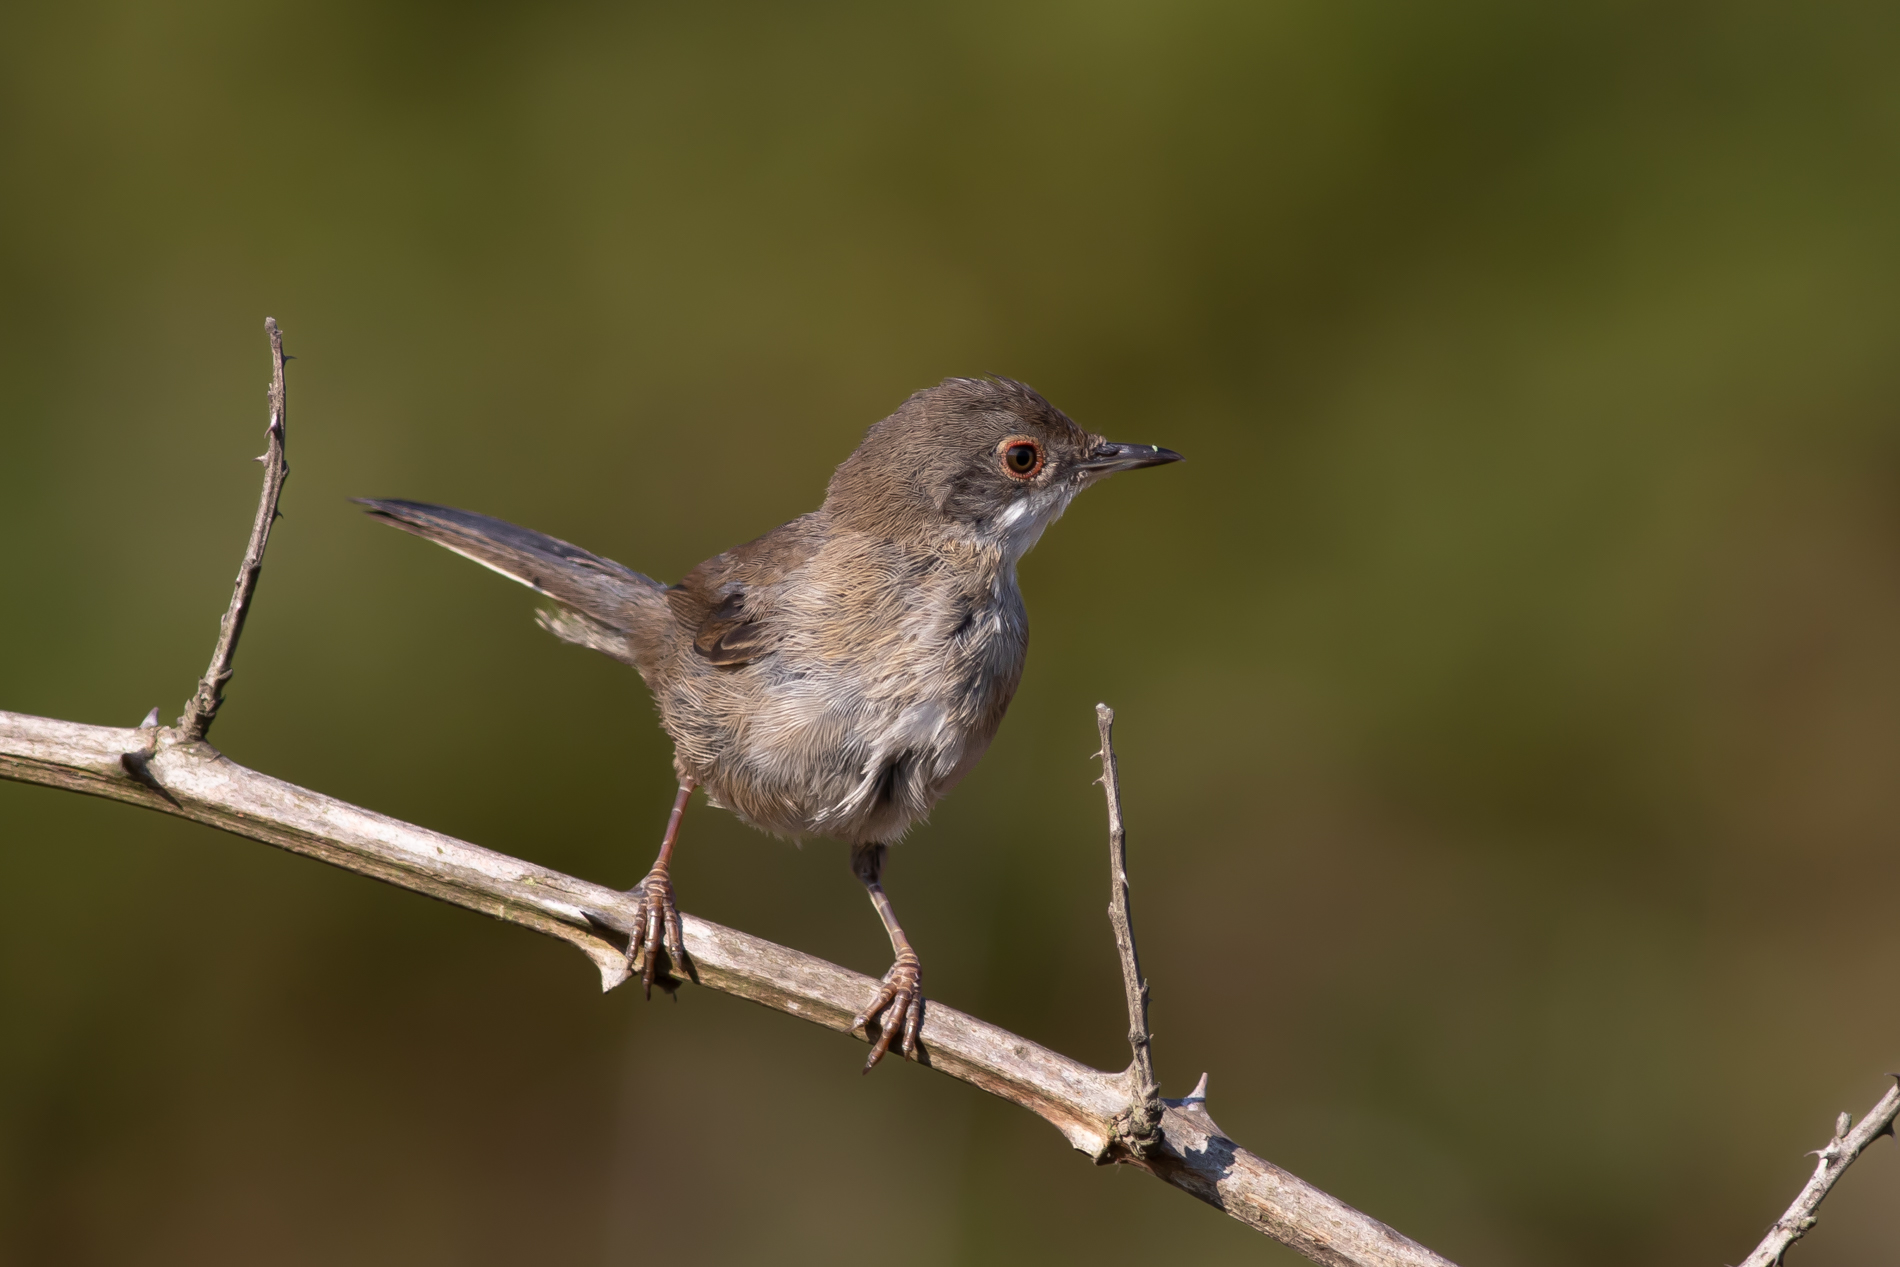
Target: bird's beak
column 1110, row 457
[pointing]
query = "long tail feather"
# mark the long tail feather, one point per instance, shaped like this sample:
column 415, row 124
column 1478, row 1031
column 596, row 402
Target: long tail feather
column 606, row 592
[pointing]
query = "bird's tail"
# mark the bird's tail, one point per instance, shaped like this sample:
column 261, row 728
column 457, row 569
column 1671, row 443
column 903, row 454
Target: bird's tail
column 604, row 599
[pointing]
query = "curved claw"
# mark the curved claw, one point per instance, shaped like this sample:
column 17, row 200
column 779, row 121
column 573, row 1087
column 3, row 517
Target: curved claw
column 898, row 1008
column 656, row 928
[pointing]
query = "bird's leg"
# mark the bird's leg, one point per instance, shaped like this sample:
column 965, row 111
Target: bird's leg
column 658, row 921
column 899, row 1004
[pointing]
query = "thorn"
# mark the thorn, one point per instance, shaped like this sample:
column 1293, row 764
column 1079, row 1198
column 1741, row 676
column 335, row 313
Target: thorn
column 135, row 765
column 262, row 457
column 1199, row 1094
column 151, row 719
column 289, row 357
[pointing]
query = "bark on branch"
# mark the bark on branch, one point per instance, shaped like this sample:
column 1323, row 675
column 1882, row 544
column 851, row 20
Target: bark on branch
column 1137, row 1131
column 205, row 702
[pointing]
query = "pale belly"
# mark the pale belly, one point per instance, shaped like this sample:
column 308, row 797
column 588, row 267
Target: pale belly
column 830, row 750
column 821, row 759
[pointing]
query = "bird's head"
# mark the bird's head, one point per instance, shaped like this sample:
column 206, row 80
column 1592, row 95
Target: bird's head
column 984, row 457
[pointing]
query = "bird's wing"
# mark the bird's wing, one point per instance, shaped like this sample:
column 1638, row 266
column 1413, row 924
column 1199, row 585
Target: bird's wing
column 731, row 636
column 596, row 587
column 727, row 603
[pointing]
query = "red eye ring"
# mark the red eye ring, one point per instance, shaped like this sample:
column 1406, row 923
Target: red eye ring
column 1021, row 457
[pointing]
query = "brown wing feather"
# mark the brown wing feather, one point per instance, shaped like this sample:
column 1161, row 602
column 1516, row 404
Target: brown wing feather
column 726, row 601
column 729, row 637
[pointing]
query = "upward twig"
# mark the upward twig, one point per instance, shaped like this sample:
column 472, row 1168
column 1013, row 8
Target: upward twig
column 1834, row 1160
column 1139, row 1127
column 202, row 709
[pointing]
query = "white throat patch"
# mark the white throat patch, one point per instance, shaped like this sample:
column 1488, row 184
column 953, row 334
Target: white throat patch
column 1022, row 525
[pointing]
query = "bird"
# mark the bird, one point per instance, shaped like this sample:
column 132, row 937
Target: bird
column 839, row 675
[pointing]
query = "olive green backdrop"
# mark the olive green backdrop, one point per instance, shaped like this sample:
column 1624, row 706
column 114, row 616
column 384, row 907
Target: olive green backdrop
column 1509, row 682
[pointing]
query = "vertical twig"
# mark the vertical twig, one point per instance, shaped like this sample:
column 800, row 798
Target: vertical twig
column 1834, row 1161
column 203, row 706
column 1140, row 1127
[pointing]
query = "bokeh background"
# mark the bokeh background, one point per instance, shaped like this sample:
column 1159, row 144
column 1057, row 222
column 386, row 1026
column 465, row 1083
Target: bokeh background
column 1509, row 682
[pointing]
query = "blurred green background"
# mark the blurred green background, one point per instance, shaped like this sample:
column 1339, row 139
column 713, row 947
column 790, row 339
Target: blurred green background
column 1509, row 682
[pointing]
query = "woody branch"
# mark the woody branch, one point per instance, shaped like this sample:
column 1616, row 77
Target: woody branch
column 205, row 702
column 1848, row 1143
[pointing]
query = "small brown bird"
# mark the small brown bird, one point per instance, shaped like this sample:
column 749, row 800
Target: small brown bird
column 840, row 674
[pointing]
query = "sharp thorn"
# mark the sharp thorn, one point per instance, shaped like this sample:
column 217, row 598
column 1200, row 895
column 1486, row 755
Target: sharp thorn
column 134, row 764
column 151, row 720
column 1200, row 1090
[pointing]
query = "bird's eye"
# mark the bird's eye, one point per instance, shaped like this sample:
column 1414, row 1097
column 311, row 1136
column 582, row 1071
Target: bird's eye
column 1022, row 458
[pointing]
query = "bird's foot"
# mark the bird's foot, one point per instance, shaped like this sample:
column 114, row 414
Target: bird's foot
column 656, row 929
column 898, row 1007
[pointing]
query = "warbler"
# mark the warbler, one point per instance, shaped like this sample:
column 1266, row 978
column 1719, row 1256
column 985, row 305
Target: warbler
column 837, row 676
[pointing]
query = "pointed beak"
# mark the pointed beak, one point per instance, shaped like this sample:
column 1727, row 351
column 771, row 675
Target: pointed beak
column 1110, row 457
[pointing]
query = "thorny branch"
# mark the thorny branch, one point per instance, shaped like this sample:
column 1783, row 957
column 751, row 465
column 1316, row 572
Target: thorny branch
column 203, row 707
column 1138, row 1130
column 191, row 779
column 1110, row 1117
column 1839, row 1154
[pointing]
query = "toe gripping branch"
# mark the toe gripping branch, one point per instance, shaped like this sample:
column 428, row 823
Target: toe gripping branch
column 1137, row 1129
column 656, row 928
column 898, row 1008
column 657, row 934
